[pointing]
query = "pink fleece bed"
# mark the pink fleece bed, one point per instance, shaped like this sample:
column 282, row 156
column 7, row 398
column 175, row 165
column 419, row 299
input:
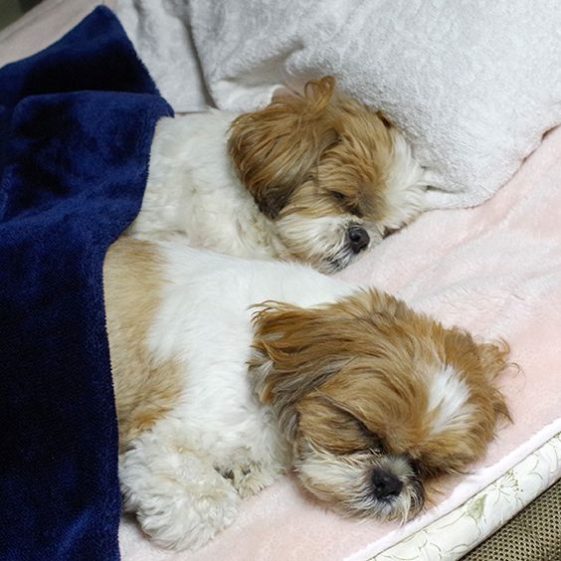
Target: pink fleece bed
column 495, row 270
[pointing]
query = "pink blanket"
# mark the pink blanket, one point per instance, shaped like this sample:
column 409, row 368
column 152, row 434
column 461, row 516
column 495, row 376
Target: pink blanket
column 495, row 270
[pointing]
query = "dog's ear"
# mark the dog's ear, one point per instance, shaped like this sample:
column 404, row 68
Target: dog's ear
column 494, row 360
column 274, row 149
column 297, row 349
column 291, row 356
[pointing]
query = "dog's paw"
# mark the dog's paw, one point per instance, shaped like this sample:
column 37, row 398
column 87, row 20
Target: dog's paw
column 248, row 479
column 180, row 500
column 190, row 517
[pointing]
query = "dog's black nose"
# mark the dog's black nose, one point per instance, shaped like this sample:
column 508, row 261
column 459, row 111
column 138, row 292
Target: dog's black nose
column 358, row 238
column 386, row 485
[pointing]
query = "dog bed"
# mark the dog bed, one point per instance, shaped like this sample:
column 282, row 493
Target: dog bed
column 494, row 269
column 531, row 535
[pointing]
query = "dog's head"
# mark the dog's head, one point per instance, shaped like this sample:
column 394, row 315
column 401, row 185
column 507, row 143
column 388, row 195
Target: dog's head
column 332, row 174
column 375, row 399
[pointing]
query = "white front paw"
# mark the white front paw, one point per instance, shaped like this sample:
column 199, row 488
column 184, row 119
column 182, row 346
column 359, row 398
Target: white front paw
column 180, row 501
column 189, row 518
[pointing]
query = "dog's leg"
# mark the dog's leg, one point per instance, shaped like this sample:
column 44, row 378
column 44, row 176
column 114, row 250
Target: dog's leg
column 180, row 500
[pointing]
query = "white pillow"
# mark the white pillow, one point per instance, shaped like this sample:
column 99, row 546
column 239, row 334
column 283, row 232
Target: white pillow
column 473, row 84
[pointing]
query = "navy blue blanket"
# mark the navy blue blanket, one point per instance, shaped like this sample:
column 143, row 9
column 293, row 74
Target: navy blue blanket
column 76, row 123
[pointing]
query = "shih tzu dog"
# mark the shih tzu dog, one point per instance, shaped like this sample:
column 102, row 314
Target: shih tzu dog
column 230, row 372
column 316, row 178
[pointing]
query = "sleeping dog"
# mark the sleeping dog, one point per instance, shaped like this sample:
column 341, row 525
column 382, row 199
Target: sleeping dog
column 229, row 372
column 317, row 178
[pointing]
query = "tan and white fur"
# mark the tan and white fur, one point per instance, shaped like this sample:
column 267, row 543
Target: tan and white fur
column 230, row 372
column 316, row 178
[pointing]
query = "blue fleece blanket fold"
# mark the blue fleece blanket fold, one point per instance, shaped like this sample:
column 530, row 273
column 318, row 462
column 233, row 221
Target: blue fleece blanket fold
column 76, row 124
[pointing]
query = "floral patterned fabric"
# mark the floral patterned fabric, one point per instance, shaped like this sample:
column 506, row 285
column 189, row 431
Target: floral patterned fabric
column 456, row 533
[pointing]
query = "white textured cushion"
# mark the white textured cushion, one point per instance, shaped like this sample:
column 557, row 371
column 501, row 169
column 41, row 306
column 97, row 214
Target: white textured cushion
column 474, row 84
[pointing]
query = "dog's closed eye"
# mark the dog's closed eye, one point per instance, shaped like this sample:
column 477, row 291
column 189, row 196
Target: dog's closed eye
column 341, row 197
column 376, row 442
column 347, row 202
